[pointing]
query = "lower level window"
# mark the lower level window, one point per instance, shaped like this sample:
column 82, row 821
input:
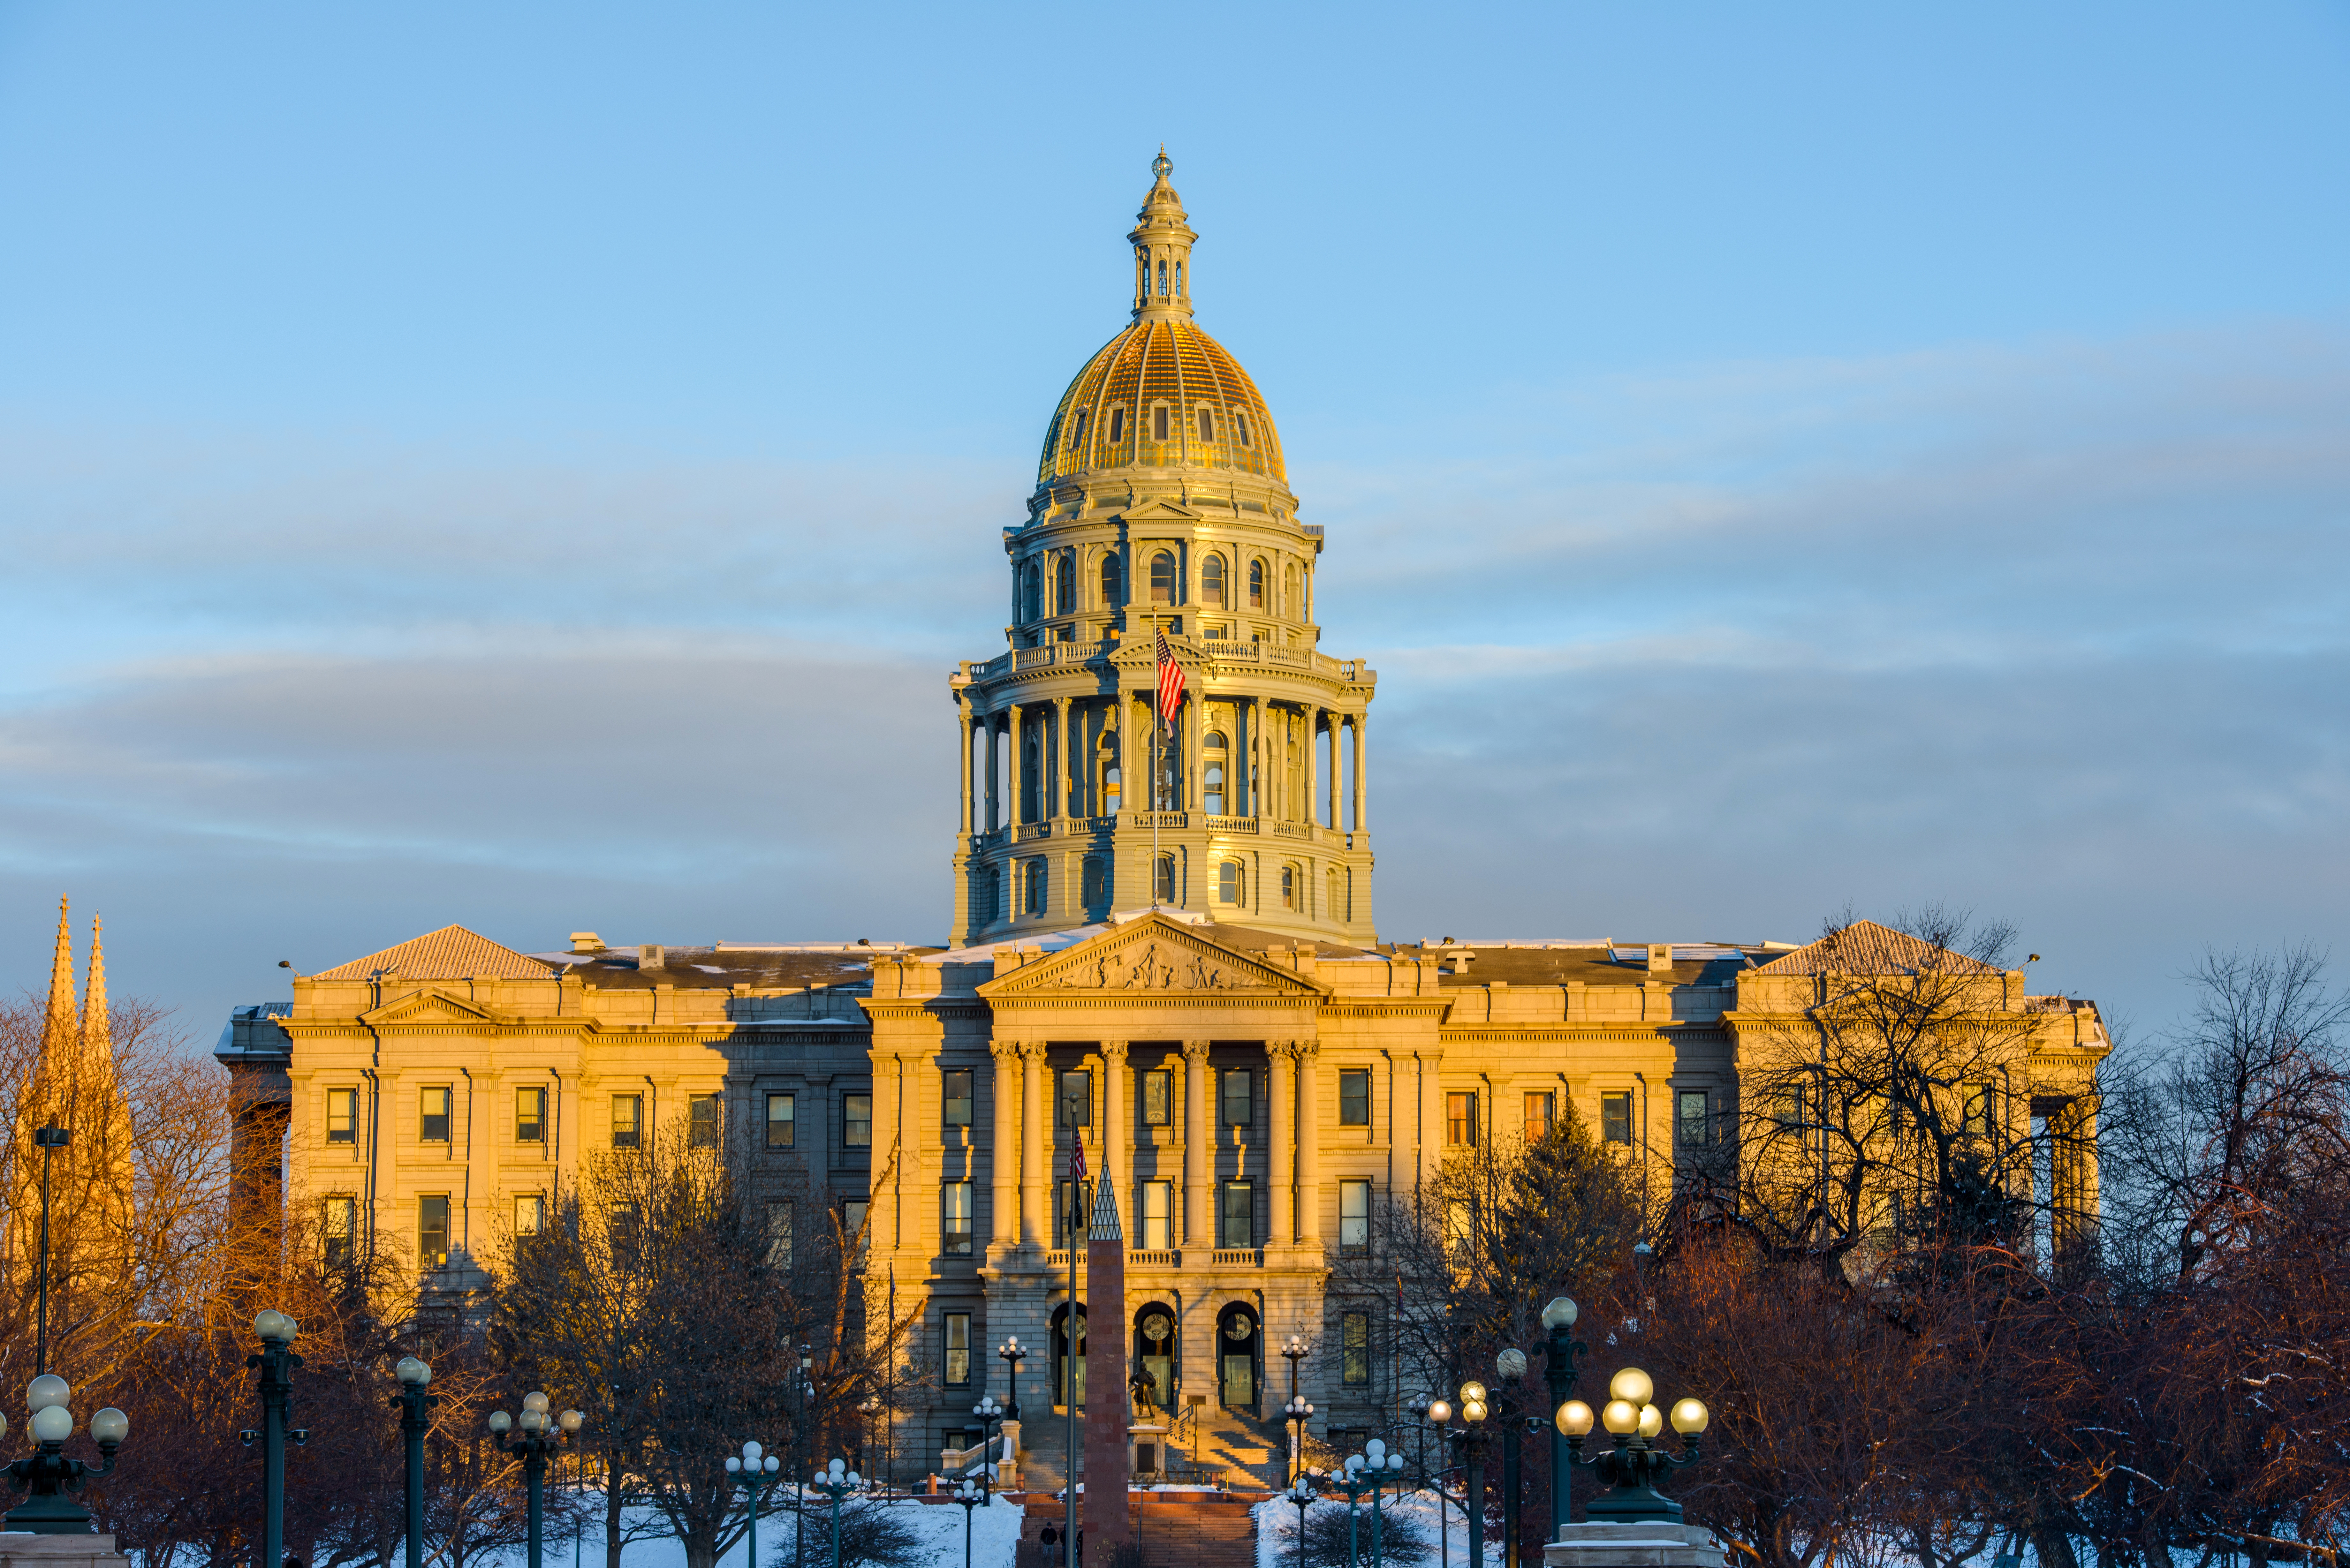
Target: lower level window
column 1354, row 1214
column 1097, row 879
column 341, row 1222
column 1032, row 887
column 1163, row 879
column 530, row 1213
column 954, row 1219
column 1615, row 1118
column 1236, row 1219
column 957, row 1370
column 1693, row 1122
column 1355, row 1347
column 432, row 1231
column 1230, row 882
column 1156, row 1206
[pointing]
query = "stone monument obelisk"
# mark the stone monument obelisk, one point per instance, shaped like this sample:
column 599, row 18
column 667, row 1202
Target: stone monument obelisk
column 1108, row 1407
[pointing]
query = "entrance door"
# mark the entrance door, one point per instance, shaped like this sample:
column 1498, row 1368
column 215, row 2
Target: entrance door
column 1154, row 1352
column 1236, row 1346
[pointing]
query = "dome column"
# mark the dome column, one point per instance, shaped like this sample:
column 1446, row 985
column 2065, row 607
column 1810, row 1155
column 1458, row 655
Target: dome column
column 1064, row 767
column 1331, row 714
column 962, row 749
column 1362, row 745
column 987, row 728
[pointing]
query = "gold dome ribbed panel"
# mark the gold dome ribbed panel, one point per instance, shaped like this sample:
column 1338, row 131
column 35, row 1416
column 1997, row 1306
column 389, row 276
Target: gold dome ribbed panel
column 1162, row 364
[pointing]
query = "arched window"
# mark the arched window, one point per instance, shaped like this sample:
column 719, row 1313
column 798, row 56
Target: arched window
column 1207, row 425
column 1212, row 581
column 1031, row 781
column 1178, row 280
column 1032, row 592
column 1159, row 422
column 1117, row 426
column 1212, row 787
column 1108, row 756
column 1065, row 584
column 1032, row 887
column 1256, row 584
column 1113, row 582
column 1078, row 430
column 1240, row 425
column 1289, row 887
column 1230, row 882
column 1162, row 279
column 1162, row 578
column 1214, row 742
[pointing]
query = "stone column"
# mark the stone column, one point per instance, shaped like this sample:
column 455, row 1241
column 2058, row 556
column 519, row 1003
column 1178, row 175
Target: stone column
column 1259, row 761
column 1432, row 1114
column 1117, row 1143
column 890, row 1078
column 1035, row 1179
column 987, row 724
column 1336, row 822
column 1355, row 728
column 1003, row 1153
column 963, row 763
column 1309, row 1144
column 1063, row 770
column 1311, row 807
column 1281, row 1115
column 1016, row 768
column 1198, row 1161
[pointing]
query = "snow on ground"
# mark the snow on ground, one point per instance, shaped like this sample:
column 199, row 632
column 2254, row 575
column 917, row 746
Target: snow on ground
column 1276, row 1529
column 995, row 1532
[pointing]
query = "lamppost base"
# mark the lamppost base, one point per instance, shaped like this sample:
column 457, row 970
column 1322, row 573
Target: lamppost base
column 53, row 1513
column 19, row 1549
column 1646, row 1544
column 1632, row 1505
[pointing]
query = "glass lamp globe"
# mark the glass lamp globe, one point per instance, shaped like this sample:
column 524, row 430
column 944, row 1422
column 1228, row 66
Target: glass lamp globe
column 1510, row 1363
column 1472, row 1410
column 1691, row 1417
column 500, row 1423
column 1376, row 1451
column 269, row 1324
column 110, row 1426
column 1574, row 1418
column 1439, row 1411
column 1633, row 1385
column 855, row 1480
column 733, row 1465
column 52, row 1424
column 534, row 1401
column 836, row 1469
column 411, row 1370
column 774, row 1464
column 752, row 1451
column 1473, row 1392
column 1621, row 1418
column 46, row 1390
column 1560, row 1313
column 571, row 1420
column 1652, row 1420
column 3, row 1426
column 534, row 1420
column 1395, row 1462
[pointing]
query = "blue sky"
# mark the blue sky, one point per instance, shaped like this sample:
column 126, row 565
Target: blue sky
column 533, row 465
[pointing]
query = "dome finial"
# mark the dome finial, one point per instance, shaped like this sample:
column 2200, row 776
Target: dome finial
column 1161, row 165
column 1162, row 247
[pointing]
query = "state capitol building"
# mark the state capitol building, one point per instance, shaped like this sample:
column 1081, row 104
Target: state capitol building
column 1161, row 944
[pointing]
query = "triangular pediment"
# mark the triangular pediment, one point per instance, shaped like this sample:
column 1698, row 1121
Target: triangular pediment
column 425, row 1007
column 1159, row 509
column 1153, row 956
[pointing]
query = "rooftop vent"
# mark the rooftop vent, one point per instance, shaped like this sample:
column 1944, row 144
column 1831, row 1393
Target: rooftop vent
column 586, row 943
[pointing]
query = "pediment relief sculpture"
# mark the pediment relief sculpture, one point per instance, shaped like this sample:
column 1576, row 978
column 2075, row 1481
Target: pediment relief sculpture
column 1158, row 957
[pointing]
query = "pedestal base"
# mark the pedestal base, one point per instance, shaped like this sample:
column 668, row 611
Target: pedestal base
column 23, row 1548
column 1639, row 1545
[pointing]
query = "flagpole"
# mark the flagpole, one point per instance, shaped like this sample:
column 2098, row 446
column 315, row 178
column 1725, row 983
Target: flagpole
column 1155, row 678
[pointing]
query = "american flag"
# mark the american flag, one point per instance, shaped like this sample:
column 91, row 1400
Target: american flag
column 1078, row 1160
column 1170, row 683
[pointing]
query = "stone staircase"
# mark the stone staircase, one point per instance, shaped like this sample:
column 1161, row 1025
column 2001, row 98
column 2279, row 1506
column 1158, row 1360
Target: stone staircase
column 1198, row 1531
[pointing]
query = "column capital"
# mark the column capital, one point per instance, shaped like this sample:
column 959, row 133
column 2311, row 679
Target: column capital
column 1003, row 1050
column 1196, row 1051
column 1031, row 1050
column 1307, row 1052
column 1113, row 1053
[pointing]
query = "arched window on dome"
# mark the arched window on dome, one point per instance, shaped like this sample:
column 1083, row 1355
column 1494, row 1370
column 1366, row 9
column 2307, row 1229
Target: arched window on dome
column 1256, row 584
column 1031, row 593
column 1240, row 426
column 1212, row 773
column 1159, row 422
column 1162, row 279
column 1107, row 789
column 1162, row 578
column 1178, row 280
column 1078, row 430
column 1117, row 426
column 1212, row 581
column 1113, row 584
column 1207, row 424
column 1064, row 583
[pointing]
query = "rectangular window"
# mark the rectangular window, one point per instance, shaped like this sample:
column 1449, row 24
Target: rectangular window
column 1159, row 415
column 1355, row 1347
column 433, row 1231
column 1460, row 1119
column 954, row 1219
column 433, row 1115
column 1239, row 1097
column 1787, row 1108
column 341, row 1224
column 1978, row 1111
column 1158, row 1097
column 780, row 1126
column 856, row 1121
column 779, row 1232
column 852, row 1228
column 954, row 1085
column 1541, row 1110
column 1355, row 1097
column 530, row 1213
column 530, row 1115
column 958, row 1344
column 1354, row 1215
column 1615, row 1118
column 1692, row 1122
column 702, row 1123
column 1236, row 1222
column 1460, row 1230
column 342, row 1115
column 1155, row 1208
column 628, row 1121
column 1077, row 1099
column 1032, row 887
column 620, row 1222
column 1163, row 878
column 1097, row 869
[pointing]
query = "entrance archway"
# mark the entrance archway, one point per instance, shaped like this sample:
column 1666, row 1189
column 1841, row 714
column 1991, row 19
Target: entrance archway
column 1236, row 1356
column 1154, row 1351
column 1065, row 1365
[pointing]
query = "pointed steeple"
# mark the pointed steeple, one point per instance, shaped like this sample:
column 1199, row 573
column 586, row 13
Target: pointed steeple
column 97, row 1026
column 1162, row 239
column 59, row 1029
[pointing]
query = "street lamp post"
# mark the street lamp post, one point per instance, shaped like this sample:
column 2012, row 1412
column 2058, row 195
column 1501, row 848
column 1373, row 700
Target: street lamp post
column 1511, row 1365
column 413, row 1402
column 970, row 1496
column 1296, row 1413
column 1472, row 1446
column 276, row 1361
column 1295, row 1351
column 49, row 1140
column 541, row 1437
column 991, row 1425
column 1560, row 1352
column 1636, row 1464
column 758, row 1474
column 47, row 1477
column 1438, row 1412
column 836, row 1481
column 1300, row 1496
column 1368, row 1472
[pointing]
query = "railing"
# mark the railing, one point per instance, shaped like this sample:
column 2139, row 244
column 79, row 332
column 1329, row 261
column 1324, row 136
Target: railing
column 1029, row 830
column 1096, row 824
column 1160, row 819
column 1301, row 656
column 1154, row 1258
column 1059, row 1259
column 1034, row 657
column 1236, row 1258
column 1231, row 825
column 1228, row 649
column 1292, row 830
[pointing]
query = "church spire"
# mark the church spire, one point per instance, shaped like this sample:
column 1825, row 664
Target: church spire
column 97, row 1026
column 1162, row 239
column 59, row 1028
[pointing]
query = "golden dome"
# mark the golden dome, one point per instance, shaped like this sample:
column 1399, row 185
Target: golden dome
column 1162, row 393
